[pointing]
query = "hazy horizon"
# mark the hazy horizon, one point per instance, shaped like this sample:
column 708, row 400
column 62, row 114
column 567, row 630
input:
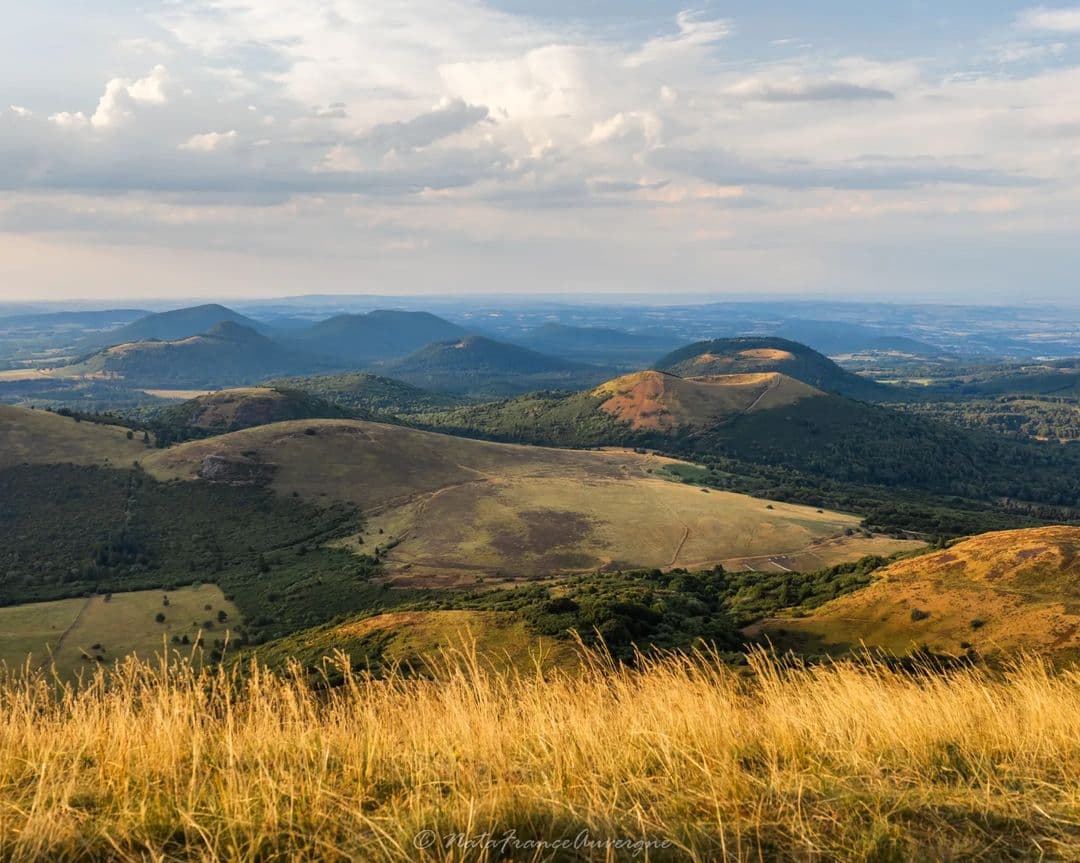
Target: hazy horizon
column 196, row 150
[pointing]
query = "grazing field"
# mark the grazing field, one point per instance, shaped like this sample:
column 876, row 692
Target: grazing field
column 73, row 633
column 682, row 759
column 998, row 593
column 41, row 437
column 450, row 510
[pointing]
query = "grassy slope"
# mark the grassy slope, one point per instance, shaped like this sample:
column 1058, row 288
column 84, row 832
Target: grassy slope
column 460, row 508
column 1000, row 592
column 64, row 632
column 500, row 639
column 37, row 437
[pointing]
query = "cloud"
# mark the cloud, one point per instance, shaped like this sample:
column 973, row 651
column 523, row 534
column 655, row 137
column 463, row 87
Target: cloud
column 209, row 142
column 872, row 174
column 807, row 91
column 1057, row 20
column 694, row 33
column 119, row 102
column 449, row 118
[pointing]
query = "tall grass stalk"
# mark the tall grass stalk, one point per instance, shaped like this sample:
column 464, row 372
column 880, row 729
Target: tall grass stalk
column 847, row 762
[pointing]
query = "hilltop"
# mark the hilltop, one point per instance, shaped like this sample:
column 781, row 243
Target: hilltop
column 374, row 337
column 367, row 392
column 657, row 401
column 529, row 511
column 996, row 593
column 243, row 407
column 480, row 366
column 228, row 353
column 173, row 325
column 758, row 354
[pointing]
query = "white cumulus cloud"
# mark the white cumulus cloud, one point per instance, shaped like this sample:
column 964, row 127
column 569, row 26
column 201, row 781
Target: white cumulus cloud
column 209, row 142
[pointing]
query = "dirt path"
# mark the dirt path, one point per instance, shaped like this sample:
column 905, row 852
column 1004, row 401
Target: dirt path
column 773, row 384
column 60, row 641
column 679, row 547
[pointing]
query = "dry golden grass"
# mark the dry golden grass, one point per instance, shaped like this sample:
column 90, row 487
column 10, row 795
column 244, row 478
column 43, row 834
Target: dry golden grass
column 844, row 762
column 998, row 593
column 40, row 437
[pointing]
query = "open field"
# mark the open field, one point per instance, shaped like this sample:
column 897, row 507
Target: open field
column 41, row 437
column 683, row 759
column 452, row 509
column 824, row 552
column 997, row 593
column 179, row 395
column 71, row 633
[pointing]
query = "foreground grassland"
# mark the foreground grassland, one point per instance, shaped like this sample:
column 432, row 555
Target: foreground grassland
column 842, row 762
column 74, row 634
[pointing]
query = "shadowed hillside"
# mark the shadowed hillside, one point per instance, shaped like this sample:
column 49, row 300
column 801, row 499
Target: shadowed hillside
column 480, row 366
column 173, row 325
column 227, row 354
column 757, row 354
column 232, row 409
column 377, row 336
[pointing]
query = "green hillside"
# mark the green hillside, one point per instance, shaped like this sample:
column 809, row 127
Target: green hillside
column 232, row 409
column 756, row 354
column 480, row 366
column 367, row 392
column 227, row 354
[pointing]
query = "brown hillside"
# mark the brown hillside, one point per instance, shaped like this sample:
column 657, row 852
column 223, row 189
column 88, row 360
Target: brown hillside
column 999, row 592
column 454, row 509
column 657, row 401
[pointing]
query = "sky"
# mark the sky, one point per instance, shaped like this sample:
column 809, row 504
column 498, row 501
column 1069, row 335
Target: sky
column 242, row 148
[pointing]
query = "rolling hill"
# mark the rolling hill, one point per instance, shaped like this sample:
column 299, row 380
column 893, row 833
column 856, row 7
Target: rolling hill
column 996, row 593
column 379, row 336
column 172, row 325
column 38, row 437
column 448, row 510
column 798, row 439
column 367, row 392
column 228, row 353
column 758, row 354
column 480, row 366
column 244, row 407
